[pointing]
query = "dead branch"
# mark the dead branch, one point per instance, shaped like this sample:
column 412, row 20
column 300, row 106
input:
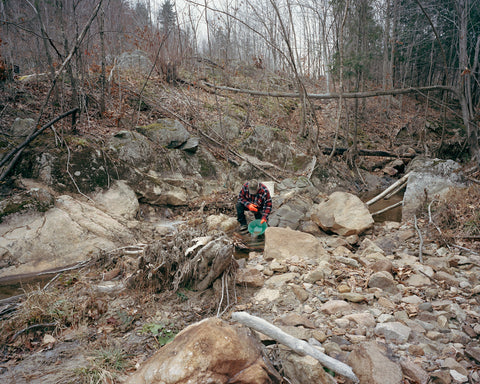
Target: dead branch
column 299, row 346
column 389, row 189
column 388, row 208
column 420, row 246
column 32, row 327
column 366, row 152
column 18, row 150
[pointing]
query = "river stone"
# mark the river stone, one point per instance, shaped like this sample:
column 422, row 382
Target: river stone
column 384, row 281
column 286, row 244
column 210, row 351
column 371, row 365
column 343, row 213
column 393, row 331
column 304, row 369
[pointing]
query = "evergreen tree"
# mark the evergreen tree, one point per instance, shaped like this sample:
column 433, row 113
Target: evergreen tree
column 167, row 18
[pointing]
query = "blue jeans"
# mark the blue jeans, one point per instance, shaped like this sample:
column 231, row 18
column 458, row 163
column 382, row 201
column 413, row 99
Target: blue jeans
column 241, row 214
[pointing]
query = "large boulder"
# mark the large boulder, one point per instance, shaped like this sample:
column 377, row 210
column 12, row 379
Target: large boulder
column 137, row 61
column 342, row 213
column 286, row 244
column 165, row 132
column 22, row 127
column 211, row 351
column 70, row 232
column 131, row 147
column 429, row 179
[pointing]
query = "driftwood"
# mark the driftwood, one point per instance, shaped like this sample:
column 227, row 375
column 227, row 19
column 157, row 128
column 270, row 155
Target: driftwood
column 389, row 189
column 299, row 346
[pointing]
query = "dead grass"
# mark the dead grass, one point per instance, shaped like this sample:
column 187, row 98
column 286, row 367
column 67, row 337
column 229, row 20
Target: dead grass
column 458, row 218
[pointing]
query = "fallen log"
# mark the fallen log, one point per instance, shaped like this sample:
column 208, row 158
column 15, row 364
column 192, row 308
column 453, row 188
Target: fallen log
column 299, row 346
column 367, row 152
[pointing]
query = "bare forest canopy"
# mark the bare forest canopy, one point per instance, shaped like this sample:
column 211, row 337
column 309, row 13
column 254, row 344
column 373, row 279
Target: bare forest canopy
column 347, row 49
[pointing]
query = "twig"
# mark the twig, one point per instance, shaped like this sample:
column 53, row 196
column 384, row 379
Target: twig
column 32, row 327
column 421, row 240
column 466, row 249
column 51, row 281
column 430, row 220
column 81, row 264
column 299, row 346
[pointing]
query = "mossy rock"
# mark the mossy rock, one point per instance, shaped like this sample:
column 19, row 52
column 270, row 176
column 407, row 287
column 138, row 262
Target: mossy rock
column 167, row 133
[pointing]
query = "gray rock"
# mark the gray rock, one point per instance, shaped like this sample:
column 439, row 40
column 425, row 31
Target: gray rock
column 393, row 331
column 429, row 178
column 384, row 281
column 22, row 127
column 166, row 133
column 134, row 61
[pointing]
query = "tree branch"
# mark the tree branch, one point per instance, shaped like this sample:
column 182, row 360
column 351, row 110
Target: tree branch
column 299, row 346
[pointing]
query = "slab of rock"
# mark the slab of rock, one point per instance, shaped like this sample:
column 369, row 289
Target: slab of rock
column 343, row 213
column 372, row 366
column 414, row 371
column 211, row 351
column 285, row 243
column 70, row 232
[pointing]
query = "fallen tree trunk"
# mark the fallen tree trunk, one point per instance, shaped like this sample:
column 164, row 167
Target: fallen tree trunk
column 366, row 152
column 299, row 346
column 335, row 95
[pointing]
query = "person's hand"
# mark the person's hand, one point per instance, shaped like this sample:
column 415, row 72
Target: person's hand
column 252, row 207
column 263, row 221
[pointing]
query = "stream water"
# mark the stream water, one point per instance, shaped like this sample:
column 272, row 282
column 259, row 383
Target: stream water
column 20, row 285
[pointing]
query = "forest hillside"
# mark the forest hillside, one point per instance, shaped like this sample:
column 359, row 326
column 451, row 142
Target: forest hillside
column 313, row 96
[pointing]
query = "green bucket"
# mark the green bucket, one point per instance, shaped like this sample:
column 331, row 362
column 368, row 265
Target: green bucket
column 256, row 228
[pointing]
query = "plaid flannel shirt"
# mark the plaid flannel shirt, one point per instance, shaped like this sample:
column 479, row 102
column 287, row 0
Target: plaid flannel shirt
column 262, row 199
